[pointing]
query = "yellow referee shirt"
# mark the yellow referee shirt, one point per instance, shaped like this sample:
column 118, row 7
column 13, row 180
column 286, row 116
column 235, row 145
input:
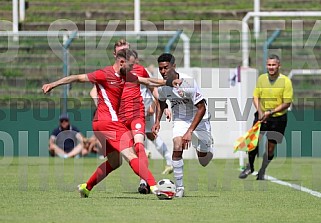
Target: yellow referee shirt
column 273, row 93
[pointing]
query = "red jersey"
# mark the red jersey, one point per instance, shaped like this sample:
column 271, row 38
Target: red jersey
column 109, row 86
column 132, row 102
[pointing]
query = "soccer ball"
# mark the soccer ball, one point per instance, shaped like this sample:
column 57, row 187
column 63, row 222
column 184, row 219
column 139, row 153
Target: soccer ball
column 167, row 189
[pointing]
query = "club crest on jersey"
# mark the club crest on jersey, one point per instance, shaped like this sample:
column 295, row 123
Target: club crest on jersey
column 138, row 126
column 181, row 93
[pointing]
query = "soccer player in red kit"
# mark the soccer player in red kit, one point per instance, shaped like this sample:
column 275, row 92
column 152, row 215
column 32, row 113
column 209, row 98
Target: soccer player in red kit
column 112, row 134
column 132, row 110
column 132, row 114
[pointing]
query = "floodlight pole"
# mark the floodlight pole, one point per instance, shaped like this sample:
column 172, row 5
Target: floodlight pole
column 15, row 19
column 186, row 49
column 66, row 44
column 137, row 27
column 256, row 19
column 22, row 10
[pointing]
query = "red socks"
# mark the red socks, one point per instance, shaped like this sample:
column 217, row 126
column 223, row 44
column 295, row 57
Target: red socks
column 139, row 166
column 142, row 171
column 101, row 172
column 140, row 151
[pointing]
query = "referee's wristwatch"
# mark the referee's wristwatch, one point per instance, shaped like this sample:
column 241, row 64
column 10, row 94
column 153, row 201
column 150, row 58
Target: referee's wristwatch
column 271, row 111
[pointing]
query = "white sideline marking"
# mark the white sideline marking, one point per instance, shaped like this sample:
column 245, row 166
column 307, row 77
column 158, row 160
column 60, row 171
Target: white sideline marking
column 294, row 186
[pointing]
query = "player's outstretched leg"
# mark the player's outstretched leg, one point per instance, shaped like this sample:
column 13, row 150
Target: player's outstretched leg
column 83, row 191
column 102, row 171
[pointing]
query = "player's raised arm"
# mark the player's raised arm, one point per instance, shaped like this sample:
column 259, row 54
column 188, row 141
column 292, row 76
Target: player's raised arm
column 65, row 80
column 154, row 82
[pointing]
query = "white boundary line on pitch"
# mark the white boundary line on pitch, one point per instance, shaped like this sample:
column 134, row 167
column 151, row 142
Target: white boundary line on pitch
column 294, row 186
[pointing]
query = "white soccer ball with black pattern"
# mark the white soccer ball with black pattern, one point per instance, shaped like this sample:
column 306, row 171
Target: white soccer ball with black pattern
column 167, row 189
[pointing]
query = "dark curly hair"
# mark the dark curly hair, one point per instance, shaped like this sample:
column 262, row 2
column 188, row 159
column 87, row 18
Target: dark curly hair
column 166, row 57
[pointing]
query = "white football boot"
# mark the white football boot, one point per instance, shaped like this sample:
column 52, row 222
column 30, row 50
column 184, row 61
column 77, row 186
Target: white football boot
column 179, row 192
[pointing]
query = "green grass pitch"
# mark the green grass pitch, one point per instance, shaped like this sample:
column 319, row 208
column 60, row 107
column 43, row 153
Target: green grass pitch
column 44, row 190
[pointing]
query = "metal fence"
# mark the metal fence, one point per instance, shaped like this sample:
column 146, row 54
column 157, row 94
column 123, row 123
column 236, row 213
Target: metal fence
column 33, row 58
column 29, row 59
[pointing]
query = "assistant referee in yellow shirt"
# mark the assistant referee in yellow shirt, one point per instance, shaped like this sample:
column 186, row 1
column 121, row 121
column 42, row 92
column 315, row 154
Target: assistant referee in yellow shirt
column 272, row 97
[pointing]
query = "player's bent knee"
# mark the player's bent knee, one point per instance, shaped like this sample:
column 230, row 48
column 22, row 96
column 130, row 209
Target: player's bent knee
column 115, row 165
column 178, row 148
column 128, row 154
column 139, row 138
column 114, row 159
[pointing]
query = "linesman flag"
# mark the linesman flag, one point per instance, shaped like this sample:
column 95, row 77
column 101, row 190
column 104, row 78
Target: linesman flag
column 249, row 140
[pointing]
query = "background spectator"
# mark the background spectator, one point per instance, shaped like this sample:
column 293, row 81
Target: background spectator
column 65, row 141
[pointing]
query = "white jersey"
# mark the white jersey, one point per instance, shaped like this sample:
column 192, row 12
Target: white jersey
column 183, row 99
column 183, row 75
column 147, row 97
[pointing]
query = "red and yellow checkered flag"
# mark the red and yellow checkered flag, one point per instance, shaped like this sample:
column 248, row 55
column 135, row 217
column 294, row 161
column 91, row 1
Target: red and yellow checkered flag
column 249, row 140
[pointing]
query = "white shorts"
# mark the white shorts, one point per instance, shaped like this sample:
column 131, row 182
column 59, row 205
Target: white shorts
column 149, row 122
column 202, row 135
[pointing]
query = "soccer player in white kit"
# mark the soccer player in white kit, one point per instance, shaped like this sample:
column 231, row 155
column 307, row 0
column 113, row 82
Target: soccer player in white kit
column 150, row 106
column 190, row 118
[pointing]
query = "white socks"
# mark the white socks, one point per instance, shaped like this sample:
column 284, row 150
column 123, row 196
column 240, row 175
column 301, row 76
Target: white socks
column 178, row 172
column 143, row 182
column 162, row 149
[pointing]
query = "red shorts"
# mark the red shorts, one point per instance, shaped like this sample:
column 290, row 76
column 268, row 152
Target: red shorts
column 136, row 125
column 113, row 136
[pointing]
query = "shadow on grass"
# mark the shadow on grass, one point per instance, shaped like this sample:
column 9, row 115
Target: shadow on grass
column 127, row 198
column 137, row 196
